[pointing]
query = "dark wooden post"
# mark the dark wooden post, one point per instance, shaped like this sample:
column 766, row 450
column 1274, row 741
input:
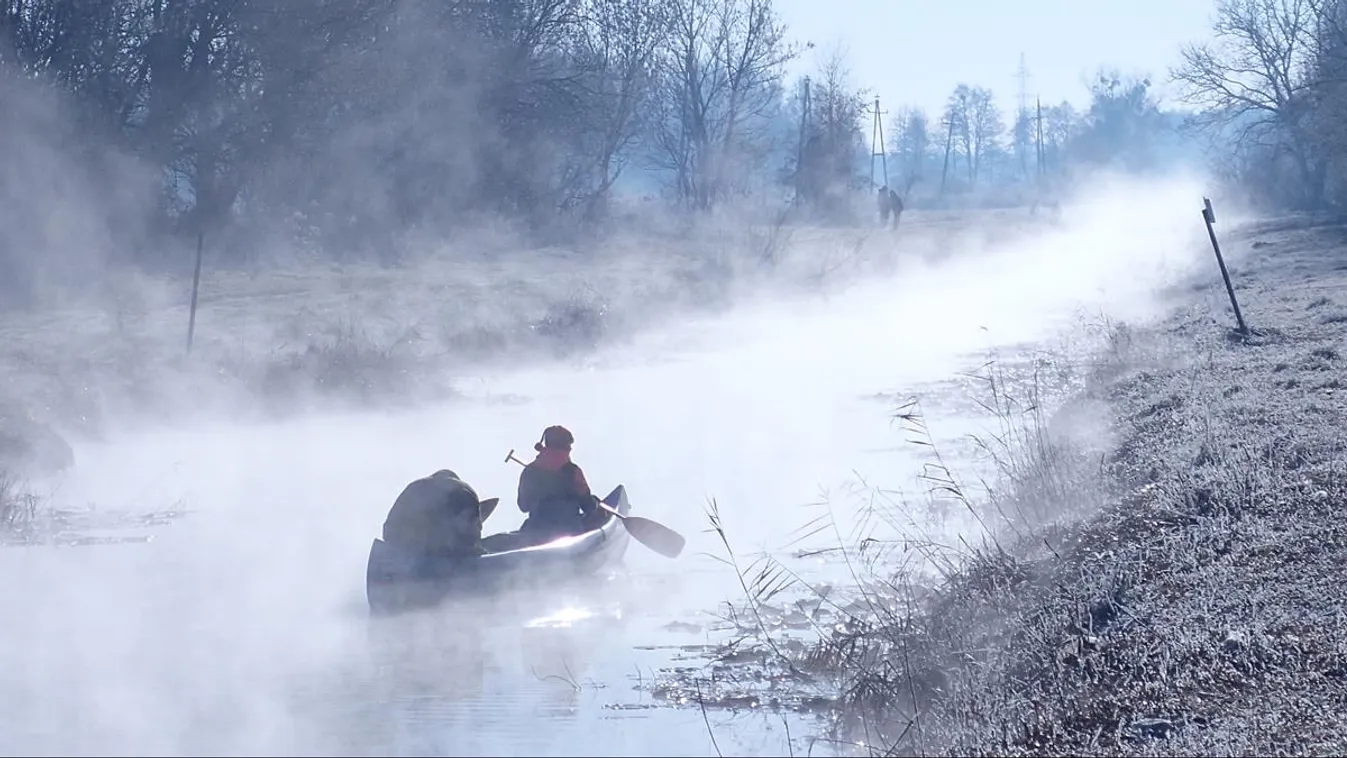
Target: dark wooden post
column 1209, row 217
column 196, row 286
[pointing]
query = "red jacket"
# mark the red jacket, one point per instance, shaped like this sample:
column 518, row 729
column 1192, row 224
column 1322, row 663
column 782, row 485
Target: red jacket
column 546, row 478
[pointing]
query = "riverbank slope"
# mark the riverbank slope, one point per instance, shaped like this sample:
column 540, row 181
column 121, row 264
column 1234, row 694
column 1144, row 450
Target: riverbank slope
column 1180, row 595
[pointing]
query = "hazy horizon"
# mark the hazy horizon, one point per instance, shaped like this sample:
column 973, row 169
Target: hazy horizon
column 1062, row 42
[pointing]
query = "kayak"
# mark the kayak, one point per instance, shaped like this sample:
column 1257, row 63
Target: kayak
column 396, row 580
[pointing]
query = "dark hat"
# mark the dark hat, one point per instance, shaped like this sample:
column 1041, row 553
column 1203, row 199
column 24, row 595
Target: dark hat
column 556, row 437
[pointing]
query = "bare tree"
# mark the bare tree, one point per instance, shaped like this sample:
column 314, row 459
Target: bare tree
column 832, row 137
column 984, row 127
column 354, row 121
column 958, row 124
column 1023, row 135
column 753, row 57
column 1060, row 125
column 621, row 41
column 1326, row 122
column 1256, row 76
column 1122, row 124
column 722, row 69
column 912, row 145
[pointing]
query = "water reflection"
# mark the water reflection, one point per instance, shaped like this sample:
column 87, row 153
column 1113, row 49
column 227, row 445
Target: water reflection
column 220, row 637
column 483, row 678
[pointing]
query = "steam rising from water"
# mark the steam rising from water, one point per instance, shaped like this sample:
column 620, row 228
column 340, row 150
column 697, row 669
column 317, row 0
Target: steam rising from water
column 241, row 627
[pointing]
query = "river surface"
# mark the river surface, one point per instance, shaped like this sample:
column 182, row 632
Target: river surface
column 241, row 627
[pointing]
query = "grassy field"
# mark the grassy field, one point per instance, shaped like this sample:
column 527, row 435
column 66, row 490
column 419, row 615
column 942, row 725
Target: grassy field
column 311, row 335
column 1159, row 568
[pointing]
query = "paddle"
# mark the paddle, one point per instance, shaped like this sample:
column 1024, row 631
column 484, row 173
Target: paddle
column 652, row 534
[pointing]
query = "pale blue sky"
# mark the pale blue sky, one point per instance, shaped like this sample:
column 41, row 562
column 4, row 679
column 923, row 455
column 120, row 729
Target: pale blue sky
column 916, row 52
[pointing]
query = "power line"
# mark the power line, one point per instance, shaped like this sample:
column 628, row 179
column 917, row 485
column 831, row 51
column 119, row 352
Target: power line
column 1022, row 73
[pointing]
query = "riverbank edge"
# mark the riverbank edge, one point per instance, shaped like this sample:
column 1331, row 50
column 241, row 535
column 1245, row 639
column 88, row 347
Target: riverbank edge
column 1191, row 605
column 1175, row 592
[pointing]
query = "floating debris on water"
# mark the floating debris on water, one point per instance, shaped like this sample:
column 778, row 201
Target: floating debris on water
column 683, row 626
column 63, row 527
column 83, row 541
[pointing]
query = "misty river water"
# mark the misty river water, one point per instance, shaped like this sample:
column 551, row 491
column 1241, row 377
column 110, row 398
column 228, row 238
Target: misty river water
column 242, row 629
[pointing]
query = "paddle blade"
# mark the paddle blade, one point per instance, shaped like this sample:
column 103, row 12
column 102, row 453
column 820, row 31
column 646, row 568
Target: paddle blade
column 655, row 536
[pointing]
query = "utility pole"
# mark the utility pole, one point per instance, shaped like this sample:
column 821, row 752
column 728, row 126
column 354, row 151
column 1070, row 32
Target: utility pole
column 949, row 143
column 877, row 139
column 1022, row 119
column 1022, row 74
column 1042, row 158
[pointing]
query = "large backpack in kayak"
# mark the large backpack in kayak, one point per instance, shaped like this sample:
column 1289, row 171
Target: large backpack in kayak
column 435, row 515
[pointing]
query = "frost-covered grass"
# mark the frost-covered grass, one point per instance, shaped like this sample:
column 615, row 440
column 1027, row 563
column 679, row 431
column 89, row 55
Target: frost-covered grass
column 286, row 338
column 283, row 338
column 18, row 509
column 1179, row 594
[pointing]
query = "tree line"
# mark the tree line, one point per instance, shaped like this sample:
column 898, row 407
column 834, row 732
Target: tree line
column 973, row 148
column 345, row 119
column 1270, row 89
column 347, row 122
column 1262, row 102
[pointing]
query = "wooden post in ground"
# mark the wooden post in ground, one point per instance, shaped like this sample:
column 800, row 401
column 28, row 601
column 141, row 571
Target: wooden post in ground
column 196, row 286
column 1209, row 218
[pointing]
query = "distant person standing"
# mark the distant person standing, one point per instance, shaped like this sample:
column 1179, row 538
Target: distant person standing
column 883, row 206
column 895, row 207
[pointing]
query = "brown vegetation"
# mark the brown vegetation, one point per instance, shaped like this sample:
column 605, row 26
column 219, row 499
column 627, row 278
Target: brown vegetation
column 1179, row 595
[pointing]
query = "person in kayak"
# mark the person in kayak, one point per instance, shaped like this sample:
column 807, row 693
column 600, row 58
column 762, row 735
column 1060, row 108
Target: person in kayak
column 438, row 515
column 553, row 490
